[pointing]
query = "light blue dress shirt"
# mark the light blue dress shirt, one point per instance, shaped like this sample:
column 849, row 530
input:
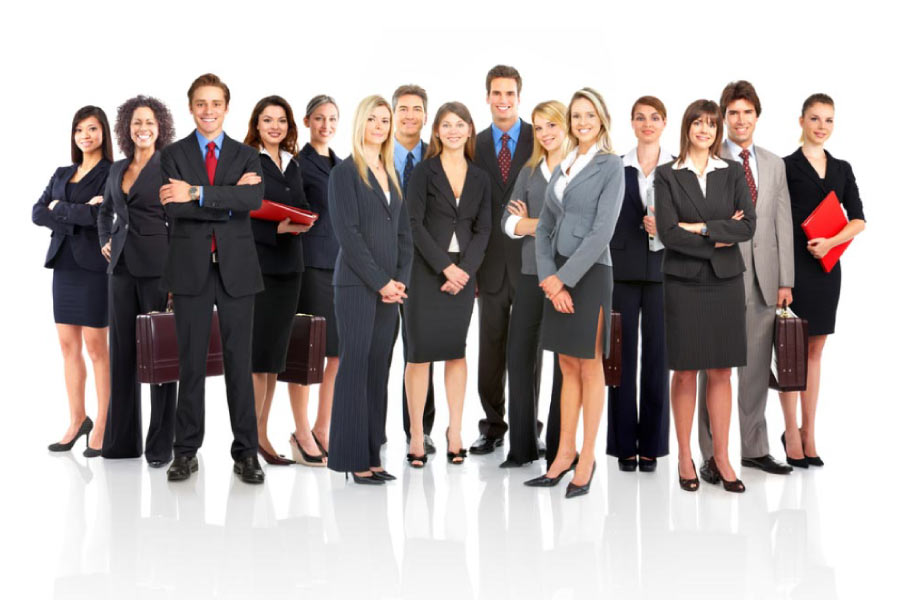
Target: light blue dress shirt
column 400, row 156
column 203, row 150
column 513, row 134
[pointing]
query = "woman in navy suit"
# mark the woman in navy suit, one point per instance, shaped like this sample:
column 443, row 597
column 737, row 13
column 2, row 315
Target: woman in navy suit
column 450, row 217
column 320, row 250
column 135, row 237
column 371, row 222
column 69, row 208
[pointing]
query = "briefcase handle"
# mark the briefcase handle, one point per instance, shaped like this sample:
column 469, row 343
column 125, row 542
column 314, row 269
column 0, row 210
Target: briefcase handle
column 784, row 312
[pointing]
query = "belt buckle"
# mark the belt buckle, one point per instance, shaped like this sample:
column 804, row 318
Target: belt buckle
column 214, row 255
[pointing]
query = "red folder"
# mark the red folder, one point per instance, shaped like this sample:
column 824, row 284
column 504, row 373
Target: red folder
column 827, row 221
column 275, row 211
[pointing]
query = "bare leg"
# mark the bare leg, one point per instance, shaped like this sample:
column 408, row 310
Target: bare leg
column 326, row 395
column 684, row 397
column 791, row 431
column 455, row 373
column 718, row 403
column 96, row 342
column 569, row 409
column 416, row 390
column 593, row 389
column 264, row 392
column 809, row 399
column 75, row 375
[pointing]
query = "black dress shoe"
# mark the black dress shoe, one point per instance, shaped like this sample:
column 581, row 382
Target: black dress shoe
column 157, row 463
column 542, row 448
column 182, row 467
column 573, row 491
column 800, row 463
column 383, row 475
column 646, row 465
column 83, row 430
column 249, row 469
column 628, row 464
column 485, row 445
column 429, row 445
column 91, row 452
column 706, row 473
column 365, row 479
column 768, row 464
column 511, row 464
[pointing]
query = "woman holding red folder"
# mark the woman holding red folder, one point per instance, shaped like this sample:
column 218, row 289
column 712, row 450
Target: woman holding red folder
column 811, row 174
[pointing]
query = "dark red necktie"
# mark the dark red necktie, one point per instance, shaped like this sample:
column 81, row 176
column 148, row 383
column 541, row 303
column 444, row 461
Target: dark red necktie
column 504, row 159
column 211, row 162
column 748, row 174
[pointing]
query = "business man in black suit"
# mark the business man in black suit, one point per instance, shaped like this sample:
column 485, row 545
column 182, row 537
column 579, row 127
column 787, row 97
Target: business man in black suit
column 211, row 183
column 501, row 150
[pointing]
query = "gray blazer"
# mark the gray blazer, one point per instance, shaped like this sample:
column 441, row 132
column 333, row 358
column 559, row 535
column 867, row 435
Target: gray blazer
column 772, row 246
column 580, row 224
column 530, row 188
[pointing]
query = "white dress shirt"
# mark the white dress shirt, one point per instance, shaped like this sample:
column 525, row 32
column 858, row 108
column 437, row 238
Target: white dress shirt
column 645, row 185
column 573, row 163
column 712, row 164
column 511, row 221
column 454, row 243
column 283, row 155
column 736, row 153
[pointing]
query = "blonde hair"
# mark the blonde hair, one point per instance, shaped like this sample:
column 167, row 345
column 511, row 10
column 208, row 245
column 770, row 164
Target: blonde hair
column 604, row 142
column 552, row 110
column 386, row 154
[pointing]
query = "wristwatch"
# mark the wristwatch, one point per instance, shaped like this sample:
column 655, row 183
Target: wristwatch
column 194, row 192
column 703, row 230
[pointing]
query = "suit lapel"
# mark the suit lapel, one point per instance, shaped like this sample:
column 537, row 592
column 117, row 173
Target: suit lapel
column 715, row 187
column 443, row 183
column 587, row 172
column 309, row 153
column 376, row 189
column 227, row 154
column 808, row 170
column 484, row 147
column 688, row 182
column 194, row 158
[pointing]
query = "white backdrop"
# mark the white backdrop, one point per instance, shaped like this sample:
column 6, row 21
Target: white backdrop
column 58, row 57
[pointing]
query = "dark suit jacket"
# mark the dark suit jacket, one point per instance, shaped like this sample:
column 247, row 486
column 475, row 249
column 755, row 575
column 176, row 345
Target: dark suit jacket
column 73, row 219
column 434, row 216
column 320, row 246
column 140, row 224
column 503, row 254
column 375, row 239
column 680, row 199
column 225, row 212
column 280, row 254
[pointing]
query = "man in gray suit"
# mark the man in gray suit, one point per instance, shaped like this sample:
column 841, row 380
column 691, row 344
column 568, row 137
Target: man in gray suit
column 768, row 280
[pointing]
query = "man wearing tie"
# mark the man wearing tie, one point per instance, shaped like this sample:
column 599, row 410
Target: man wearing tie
column 501, row 150
column 410, row 104
column 210, row 185
column 768, row 280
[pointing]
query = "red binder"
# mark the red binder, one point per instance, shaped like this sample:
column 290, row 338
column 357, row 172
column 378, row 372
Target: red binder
column 275, row 211
column 827, row 221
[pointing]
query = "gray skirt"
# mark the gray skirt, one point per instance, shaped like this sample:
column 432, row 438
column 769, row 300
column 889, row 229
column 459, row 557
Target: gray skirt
column 576, row 334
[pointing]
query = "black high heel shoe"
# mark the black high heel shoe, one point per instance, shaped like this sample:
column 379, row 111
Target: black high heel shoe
column 573, row 491
column 301, row 457
column 801, row 463
column 455, row 458
column 715, row 476
column 83, row 430
column 814, row 461
column 412, row 459
column 383, row 475
column 319, row 444
column 91, row 452
column 367, row 480
column 689, row 485
column 544, row 481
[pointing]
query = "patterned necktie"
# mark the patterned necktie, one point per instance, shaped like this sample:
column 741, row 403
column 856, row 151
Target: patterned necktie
column 504, row 159
column 748, row 174
column 407, row 169
column 211, row 162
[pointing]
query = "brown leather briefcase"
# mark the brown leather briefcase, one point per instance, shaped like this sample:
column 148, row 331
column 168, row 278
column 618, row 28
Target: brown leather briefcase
column 306, row 351
column 157, row 348
column 612, row 364
column 791, row 352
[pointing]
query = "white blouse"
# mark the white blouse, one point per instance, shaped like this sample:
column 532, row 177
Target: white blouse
column 454, row 243
column 573, row 163
column 284, row 156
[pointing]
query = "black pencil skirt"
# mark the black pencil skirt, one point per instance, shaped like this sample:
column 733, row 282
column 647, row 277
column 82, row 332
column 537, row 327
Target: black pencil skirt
column 273, row 318
column 317, row 298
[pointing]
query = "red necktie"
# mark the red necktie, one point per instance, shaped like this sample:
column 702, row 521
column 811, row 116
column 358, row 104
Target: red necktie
column 211, row 162
column 748, row 174
column 504, row 159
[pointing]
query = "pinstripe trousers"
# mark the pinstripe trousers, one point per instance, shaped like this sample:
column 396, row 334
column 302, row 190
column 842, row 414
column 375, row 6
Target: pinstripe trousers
column 366, row 328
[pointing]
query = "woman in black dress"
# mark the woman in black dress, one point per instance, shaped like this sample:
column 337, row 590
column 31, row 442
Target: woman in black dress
column 450, row 218
column 272, row 129
column 811, row 174
column 320, row 250
column 69, row 208
column 135, row 239
column 703, row 209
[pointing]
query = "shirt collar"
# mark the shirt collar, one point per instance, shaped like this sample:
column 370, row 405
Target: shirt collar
column 545, row 170
column 201, row 139
column 735, row 150
column 631, row 159
column 713, row 164
column 400, row 153
column 513, row 132
column 282, row 154
column 573, row 155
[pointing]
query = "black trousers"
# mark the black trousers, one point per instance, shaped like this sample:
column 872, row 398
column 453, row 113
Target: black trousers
column 493, row 329
column 130, row 296
column 193, row 315
column 640, row 428
column 428, row 417
column 524, row 366
column 366, row 328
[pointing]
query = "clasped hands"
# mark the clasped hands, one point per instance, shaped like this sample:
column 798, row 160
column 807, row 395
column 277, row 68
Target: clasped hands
column 178, row 191
column 456, row 280
column 393, row 292
column 559, row 296
column 698, row 228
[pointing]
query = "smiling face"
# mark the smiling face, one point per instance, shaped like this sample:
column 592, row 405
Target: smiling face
column 322, row 123
column 88, row 135
column 817, row 123
column 740, row 118
column 272, row 125
column 549, row 134
column 647, row 124
column 584, row 122
column 453, row 131
column 702, row 133
column 378, row 126
column 208, row 107
column 144, row 128
column 409, row 116
column 504, row 101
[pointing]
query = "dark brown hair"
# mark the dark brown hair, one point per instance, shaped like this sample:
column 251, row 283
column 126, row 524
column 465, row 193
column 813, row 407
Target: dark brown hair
column 212, row 80
column 86, row 112
column 459, row 109
column 289, row 143
column 161, row 113
column 701, row 109
column 818, row 98
column 740, row 90
column 410, row 90
column 652, row 101
column 503, row 71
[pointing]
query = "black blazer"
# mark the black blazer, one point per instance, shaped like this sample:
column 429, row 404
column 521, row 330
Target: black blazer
column 374, row 235
column 632, row 258
column 502, row 251
column 320, row 245
column 679, row 198
column 434, row 216
column 225, row 212
column 140, row 221
column 280, row 254
column 73, row 219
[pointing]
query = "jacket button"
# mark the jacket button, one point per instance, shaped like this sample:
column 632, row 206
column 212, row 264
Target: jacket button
column 287, row 189
column 389, row 218
column 454, row 221
column 126, row 225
